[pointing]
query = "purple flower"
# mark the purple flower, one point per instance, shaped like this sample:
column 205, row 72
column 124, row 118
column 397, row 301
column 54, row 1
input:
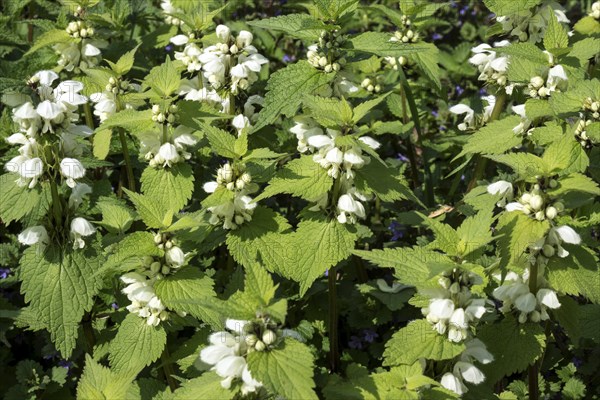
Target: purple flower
column 326, row 272
column 578, row 362
column 168, row 48
column 287, row 58
column 436, row 36
column 443, row 128
column 397, row 230
column 4, row 272
column 115, row 306
column 435, row 113
column 402, row 157
column 65, row 364
column 483, row 92
column 459, row 90
column 369, row 335
column 355, row 343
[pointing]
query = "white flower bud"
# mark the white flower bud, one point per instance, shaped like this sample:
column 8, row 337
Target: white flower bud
column 537, row 82
column 548, row 250
column 269, row 337
column 536, row 202
column 155, row 267
column 259, row 346
column 551, row 212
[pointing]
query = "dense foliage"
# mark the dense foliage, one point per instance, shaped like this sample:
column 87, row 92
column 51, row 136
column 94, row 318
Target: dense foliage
column 300, row 199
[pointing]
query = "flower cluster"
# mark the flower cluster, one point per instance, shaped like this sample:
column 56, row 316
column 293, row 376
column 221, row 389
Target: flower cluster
column 550, row 245
column 232, row 63
column 166, row 150
column 82, row 52
column 589, row 115
column 452, row 310
column 492, row 68
column 140, row 285
column 51, row 120
column 237, row 209
column 536, row 203
column 371, row 85
column 106, row 102
column 325, row 55
column 168, row 9
column 469, row 120
column 540, row 88
column 396, row 63
column 595, row 12
column 405, row 33
column 465, row 370
column 529, row 26
column 228, row 349
column 515, row 295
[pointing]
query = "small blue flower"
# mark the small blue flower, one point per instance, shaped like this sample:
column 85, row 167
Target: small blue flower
column 287, row 58
column 397, row 230
column 369, row 335
column 436, row 36
column 578, row 362
column 355, row 343
column 402, row 157
column 168, row 48
column 483, row 92
column 65, row 364
column 459, row 90
column 435, row 113
column 114, row 306
column 4, row 272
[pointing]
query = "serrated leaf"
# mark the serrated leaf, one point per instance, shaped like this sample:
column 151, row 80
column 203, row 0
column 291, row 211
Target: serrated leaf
column 565, row 155
column 361, row 110
column 59, row 287
column 587, row 25
column 525, row 165
column 207, row 386
column 378, row 43
column 525, row 341
column 129, row 252
column 383, row 182
column 99, row 382
column 151, row 211
column 286, row 89
column 17, row 202
column 136, row 345
column 301, row 26
column 221, row 142
column 240, row 147
column 506, row 7
column 131, row 120
column 419, row 340
column 576, row 274
column 286, row 371
column 494, row 138
column 517, row 232
column 171, row 187
column 329, row 112
column 116, row 218
column 574, row 190
column 49, row 38
column 189, row 283
column 256, row 236
column 427, row 61
column 412, row 266
column 301, row 177
column 125, row 62
column 556, row 35
column 163, row 79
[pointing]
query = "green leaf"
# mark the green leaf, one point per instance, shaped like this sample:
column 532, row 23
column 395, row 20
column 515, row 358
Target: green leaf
column 364, row 108
column 517, row 232
column 412, row 266
column 59, row 287
column 564, row 156
column 116, row 218
column 525, row 165
column 419, row 340
column 525, row 341
column 125, row 62
column 258, row 235
column 171, row 187
column 556, row 35
column 537, row 108
column 189, row 283
column 507, row 7
column 49, row 38
column 129, row 252
column 587, row 25
column 99, row 382
column 131, row 120
column 136, row 345
column 316, row 246
column 219, row 196
column 577, row 274
column 241, row 145
column 446, row 238
column 383, row 182
column 17, row 202
column 474, row 233
column 151, row 211
column 572, row 190
column 428, row 61
column 207, row 386
column 378, row 43
column 286, row 372
column 329, row 112
column 301, row 26
column 101, row 143
column 495, row 138
column 301, row 177
column 221, row 142
column 163, row 79
column 286, row 89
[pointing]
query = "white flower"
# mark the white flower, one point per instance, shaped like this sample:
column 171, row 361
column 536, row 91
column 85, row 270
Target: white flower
column 79, row 191
column 350, row 208
column 223, row 33
column 503, row 189
column 548, row 298
column 453, row 383
column 514, row 206
column 80, row 227
column 33, row 235
column 175, row 257
column 469, row 117
column 564, row 233
column 369, row 141
column 469, row 372
column 105, row 105
column 71, row 169
column 241, row 123
column 144, row 302
column 475, row 349
column 180, row 40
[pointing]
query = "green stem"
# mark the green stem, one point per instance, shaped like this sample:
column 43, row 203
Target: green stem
column 165, row 134
column 88, row 331
column 534, row 390
column 334, row 351
column 89, row 117
column 481, row 162
column 128, row 167
column 412, row 158
column 168, row 369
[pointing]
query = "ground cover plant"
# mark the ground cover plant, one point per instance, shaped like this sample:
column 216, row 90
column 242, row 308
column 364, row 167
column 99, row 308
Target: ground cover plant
column 310, row 199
